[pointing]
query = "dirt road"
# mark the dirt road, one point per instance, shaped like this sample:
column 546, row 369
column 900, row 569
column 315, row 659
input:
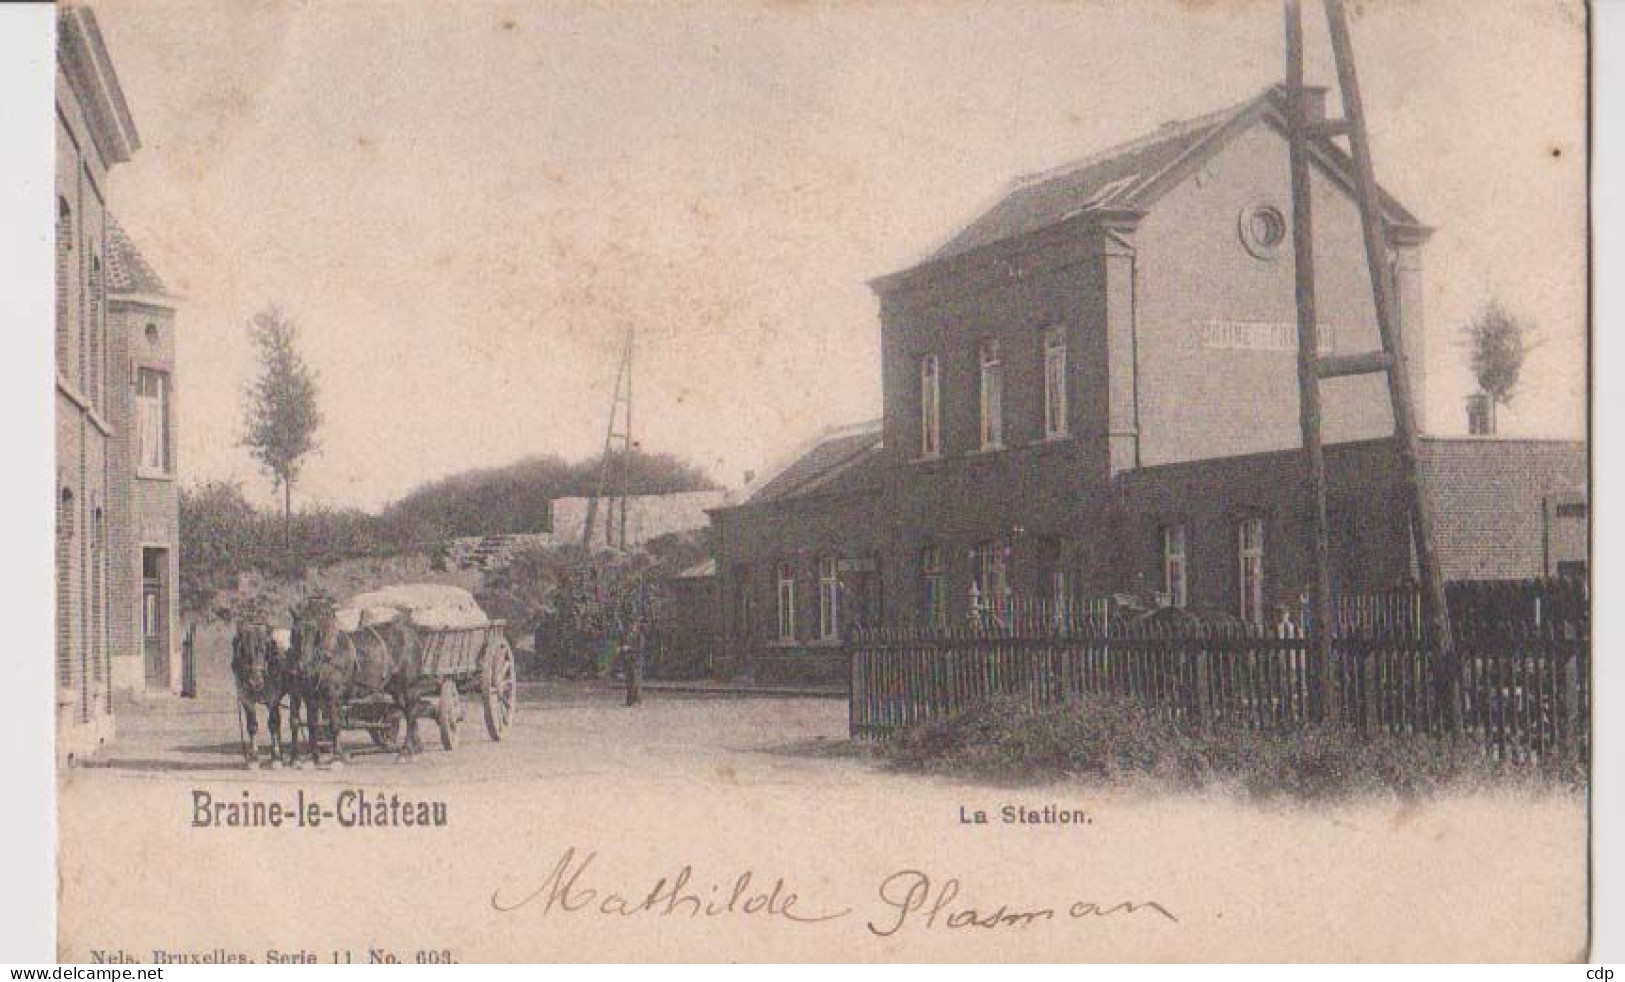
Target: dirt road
column 600, row 832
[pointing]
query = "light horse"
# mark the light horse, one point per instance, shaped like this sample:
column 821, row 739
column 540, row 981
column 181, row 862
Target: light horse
column 335, row 667
column 262, row 672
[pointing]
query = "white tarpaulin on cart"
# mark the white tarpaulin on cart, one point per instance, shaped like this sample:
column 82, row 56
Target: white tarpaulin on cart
column 425, row 605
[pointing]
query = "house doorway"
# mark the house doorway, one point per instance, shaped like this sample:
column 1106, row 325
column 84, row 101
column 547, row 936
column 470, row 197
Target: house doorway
column 155, row 617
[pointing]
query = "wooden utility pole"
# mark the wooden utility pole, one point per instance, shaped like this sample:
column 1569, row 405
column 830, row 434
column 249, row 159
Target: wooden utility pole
column 1309, row 418
column 620, row 408
column 1390, row 360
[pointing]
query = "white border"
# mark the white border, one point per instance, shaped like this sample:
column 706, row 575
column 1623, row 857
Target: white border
column 27, row 697
column 27, row 886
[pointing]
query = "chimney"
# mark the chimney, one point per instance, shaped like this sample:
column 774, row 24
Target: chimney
column 1480, row 415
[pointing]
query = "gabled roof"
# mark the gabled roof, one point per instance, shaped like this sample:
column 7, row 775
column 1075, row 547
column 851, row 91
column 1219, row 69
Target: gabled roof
column 1133, row 176
column 127, row 270
column 843, row 459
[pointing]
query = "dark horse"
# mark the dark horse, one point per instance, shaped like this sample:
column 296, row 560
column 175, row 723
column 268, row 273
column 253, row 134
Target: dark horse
column 334, row 667
column 262, row 672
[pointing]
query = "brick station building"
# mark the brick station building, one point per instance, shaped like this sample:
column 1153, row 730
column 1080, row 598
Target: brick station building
column 1091, row 389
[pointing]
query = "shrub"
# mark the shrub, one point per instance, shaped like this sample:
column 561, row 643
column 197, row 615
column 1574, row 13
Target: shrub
column 1110, row 739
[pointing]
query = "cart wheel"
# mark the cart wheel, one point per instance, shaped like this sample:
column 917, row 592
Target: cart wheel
column 389, row 734
column 449, row 712
column 501, row 687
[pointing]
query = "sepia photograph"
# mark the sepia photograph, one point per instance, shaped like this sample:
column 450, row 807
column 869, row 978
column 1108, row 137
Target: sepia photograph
column 831, row 481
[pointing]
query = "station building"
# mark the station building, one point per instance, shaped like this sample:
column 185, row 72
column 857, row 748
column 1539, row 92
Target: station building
column 1091, row 389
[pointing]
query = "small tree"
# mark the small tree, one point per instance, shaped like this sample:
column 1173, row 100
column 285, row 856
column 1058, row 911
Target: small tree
column 1499, row 343
column 282, row 416
column 218, row 532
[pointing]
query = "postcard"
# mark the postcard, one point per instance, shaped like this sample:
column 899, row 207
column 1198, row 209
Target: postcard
column 742, row 481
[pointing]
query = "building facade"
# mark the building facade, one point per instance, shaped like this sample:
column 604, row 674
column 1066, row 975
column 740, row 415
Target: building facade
column 94, row 133
column 144, row 499
column 1092, row 389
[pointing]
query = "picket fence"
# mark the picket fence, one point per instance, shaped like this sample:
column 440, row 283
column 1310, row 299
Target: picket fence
column 1521, row 688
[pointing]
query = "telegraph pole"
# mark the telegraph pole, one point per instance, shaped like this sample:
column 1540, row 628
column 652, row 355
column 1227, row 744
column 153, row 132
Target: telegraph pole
column 1390, row 360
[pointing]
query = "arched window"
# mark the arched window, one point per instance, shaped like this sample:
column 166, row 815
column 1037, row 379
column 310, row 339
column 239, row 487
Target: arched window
column 64, row 246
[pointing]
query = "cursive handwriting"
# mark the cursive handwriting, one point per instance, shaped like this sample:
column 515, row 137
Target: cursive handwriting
column 908, row 899
column 567, row 890
column 912, row 899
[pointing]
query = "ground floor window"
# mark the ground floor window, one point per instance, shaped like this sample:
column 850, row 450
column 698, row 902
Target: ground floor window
column 1060, row 576
column 990, row 578
column 787, row 602
column 862, row 594
column 1175, row 572
column 933, row 588
column 744, row 612
column 1250, row 558
column 829, row 599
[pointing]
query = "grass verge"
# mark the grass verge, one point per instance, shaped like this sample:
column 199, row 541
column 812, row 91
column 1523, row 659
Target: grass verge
column 1103, row 739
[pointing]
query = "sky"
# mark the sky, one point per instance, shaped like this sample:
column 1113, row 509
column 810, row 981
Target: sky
column 465, row 206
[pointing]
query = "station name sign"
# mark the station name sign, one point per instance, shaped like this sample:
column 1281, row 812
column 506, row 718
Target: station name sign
column 1262, row 336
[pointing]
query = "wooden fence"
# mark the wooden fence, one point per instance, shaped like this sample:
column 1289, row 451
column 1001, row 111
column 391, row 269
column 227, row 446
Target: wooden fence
column 1522, row 688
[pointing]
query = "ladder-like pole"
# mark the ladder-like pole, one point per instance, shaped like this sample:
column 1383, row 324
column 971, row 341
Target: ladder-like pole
column 1390, row 360
column 1309, row 418
column 621, row 379
column 1436, row 608
column 626, row 440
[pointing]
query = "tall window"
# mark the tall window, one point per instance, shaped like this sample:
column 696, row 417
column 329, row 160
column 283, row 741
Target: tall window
column 64, row 588
column 1175, row 572
column 930, row 407
column 992, row 396
column 64, row 248
column 863, row 592
column 1055, row 383
column 96, row 329
column 933, row 588
column 98, row 547
column 787, row 602
column 1058, row 563
column 152, row 421
column 1250, row 553
column 829, row 599
column 990, row 577
column 744, row 613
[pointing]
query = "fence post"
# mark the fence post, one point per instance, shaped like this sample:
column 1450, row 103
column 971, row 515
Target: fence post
column 1204, row 695
column 189, row 662
column 1571, row 703
column 1368, row 691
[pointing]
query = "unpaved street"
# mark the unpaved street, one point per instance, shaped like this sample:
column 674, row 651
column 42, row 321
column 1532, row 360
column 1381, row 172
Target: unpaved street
column 764, row 789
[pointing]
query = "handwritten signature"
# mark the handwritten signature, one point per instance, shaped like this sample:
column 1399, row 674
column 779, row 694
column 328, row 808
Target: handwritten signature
column 906, row 899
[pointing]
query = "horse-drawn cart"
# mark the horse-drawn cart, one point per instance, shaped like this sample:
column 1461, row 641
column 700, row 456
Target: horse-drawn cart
column 462, row 653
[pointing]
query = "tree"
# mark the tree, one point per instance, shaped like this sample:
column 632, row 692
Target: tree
column 1499, row 343
column 218, row 540
column 282, row 415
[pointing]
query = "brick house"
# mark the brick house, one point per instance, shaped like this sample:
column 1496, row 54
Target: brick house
column 143, row 494
column 101, row 305
column 1091, row 389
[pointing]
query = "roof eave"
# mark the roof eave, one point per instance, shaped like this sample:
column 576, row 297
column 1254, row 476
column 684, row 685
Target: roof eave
column 1117, row 219
column 150, row 298
column 90, row 70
